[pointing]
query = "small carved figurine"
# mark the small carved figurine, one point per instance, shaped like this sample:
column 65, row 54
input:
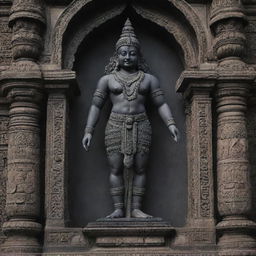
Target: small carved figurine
column 128, row 131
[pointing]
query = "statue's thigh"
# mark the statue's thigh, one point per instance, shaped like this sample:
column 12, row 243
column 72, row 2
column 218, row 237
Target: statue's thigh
column 116, row 162
column 140, row 161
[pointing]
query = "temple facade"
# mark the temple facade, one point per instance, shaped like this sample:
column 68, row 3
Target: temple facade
column 203, row 189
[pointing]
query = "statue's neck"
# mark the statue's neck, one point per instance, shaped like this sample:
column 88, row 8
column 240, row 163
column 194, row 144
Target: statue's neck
column 128, row 71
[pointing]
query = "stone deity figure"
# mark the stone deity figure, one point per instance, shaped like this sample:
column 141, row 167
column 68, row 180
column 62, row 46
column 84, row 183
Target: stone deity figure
column 128, row 131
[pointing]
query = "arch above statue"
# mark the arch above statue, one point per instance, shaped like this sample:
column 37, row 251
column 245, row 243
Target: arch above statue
column 81, row 17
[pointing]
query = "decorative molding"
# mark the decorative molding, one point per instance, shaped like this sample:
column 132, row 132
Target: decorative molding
column 56, row 200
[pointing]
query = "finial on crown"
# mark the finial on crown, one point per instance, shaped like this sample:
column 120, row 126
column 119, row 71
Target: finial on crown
column 128, row 36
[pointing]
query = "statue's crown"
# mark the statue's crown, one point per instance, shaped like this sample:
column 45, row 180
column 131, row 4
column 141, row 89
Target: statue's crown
column 128, row 36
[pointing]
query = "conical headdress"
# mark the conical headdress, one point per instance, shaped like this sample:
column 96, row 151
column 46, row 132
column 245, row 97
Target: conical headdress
column 128, row 36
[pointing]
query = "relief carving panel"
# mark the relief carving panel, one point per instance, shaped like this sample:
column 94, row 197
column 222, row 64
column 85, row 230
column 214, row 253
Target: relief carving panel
column 23, row 175
column 55, row 158
column 201, row 177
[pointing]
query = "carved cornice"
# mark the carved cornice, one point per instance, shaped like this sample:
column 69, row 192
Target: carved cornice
column 206, row 80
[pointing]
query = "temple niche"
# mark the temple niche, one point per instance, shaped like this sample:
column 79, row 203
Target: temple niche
column 200, row 192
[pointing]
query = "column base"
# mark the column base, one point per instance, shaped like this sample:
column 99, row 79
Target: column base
column 236, row 233
column 22, row 237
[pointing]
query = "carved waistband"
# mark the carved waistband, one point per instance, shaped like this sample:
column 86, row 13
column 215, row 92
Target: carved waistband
column 128, row 118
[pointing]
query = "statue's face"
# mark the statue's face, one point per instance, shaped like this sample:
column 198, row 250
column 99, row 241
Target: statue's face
column 128, row 57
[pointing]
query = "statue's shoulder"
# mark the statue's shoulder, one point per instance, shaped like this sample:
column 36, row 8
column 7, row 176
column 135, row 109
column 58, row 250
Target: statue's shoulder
column 104, row 79
column 151, row 78
column 103, row 82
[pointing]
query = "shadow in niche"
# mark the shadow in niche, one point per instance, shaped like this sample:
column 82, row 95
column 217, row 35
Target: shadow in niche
column 166, row 195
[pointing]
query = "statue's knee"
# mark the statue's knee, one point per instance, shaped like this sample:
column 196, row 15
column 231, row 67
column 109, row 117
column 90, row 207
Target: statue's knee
column 116, row 171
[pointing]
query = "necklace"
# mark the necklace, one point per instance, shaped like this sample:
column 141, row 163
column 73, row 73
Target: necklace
column 130, row 83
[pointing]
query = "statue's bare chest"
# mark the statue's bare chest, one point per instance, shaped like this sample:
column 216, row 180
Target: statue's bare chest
column 130, row 91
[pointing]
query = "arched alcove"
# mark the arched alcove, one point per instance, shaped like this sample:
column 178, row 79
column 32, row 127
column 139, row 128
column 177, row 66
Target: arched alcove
column 81, row 17
column 89, row 196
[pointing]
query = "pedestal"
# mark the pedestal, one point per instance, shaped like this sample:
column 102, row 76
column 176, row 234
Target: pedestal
column 130, row 232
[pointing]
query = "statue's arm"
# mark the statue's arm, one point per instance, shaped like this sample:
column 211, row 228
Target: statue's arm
column 164, row 110
column 99, row 98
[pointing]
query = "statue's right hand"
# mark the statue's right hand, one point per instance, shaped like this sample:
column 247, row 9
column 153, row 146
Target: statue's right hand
column 87, row 141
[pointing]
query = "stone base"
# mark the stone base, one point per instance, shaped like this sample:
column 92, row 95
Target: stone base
column 131, row 232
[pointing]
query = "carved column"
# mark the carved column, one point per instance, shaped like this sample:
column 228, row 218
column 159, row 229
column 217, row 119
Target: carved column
column 251, row 126
column 233, row 169
column 200, row 218
column 22, row 85
column 60, row 86
column 4, row 124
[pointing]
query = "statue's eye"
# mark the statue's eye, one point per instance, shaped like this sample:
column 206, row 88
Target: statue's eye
column 123, row 53
column 133, row 53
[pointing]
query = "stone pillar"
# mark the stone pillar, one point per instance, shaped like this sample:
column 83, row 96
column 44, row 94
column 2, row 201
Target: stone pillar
column 22, row 85
column 201, row 207
column 200, row 217
column 4, row 124
column 56, row 161
column 61, row 86
column 251, row 126
column 233, row 169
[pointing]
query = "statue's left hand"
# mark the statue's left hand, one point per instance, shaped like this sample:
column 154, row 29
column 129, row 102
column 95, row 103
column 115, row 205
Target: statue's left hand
column 175, row 132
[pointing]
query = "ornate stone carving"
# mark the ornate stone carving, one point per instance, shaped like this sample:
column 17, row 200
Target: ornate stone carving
column 23, row 190
column 250, row 31
column 27, row 20
column 227, row 20
column 202, row 158
column 224, row 9
column 181, row 6
column 234, row 190
column 22, row 86
column 4, row 124
column 230, row 39
column 176, row 29
column 251, row 126
column 57, row 112
column 5, row 46
column 233, row 170
column 64, row 238
column 25, row 32
column 89, row 26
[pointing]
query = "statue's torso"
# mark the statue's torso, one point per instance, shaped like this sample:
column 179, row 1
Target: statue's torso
column 121, row 104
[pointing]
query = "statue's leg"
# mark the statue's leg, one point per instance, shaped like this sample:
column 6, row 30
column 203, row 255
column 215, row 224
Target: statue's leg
column 139, row 182
column 116, row 184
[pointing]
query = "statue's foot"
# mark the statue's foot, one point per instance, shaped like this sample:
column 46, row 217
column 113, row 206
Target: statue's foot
column 118, row 213
column 136, row 213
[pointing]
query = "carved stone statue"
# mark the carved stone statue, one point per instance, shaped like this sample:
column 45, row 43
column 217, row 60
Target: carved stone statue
column 128, row 131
